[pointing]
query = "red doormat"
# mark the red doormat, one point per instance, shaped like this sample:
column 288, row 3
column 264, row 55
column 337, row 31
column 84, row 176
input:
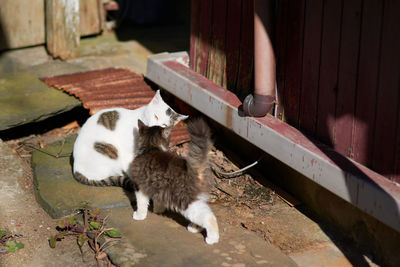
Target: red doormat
column 108, row 88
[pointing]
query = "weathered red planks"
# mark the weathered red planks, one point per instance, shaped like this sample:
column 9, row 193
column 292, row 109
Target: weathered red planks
column 347, row 76
column 388, row 91
column 245, row 75
column 337, row 69
column 396, row 171
column 363, row 136
column 223, row 48
column 294, row 59
column 194, row 32
column 216, row 61
column 311, row 65
column 280, row 53
column 232, row 46
column 328, row 72
column 204, row 37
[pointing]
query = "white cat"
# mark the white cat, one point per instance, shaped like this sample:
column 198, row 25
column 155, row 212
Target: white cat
column 106, row 143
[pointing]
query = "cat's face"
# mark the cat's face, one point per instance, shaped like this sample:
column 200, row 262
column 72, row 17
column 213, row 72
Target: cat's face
column 153, row 137
column 159, row 113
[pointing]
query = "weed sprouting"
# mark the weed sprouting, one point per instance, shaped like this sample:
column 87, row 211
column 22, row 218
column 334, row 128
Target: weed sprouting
column 88, row 227
column 8, row 242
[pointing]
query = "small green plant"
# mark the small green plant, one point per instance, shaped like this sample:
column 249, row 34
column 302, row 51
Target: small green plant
column 88, row 227
column 8, row 242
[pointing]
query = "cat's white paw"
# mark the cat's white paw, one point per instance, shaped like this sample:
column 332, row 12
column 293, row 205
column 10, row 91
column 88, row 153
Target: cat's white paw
column 212, row 239
column 138, row 216
column 193, row 228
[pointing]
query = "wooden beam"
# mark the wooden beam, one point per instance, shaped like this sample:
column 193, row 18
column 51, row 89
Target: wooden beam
column 90, row 17
column 62, row 28
column 21, row 23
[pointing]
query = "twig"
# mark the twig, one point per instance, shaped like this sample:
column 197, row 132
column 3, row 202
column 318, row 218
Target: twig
column 233, row 174
column 245, row 204
column 61, row 148
column 223, row 191
column 107, row 242
column 85, row 218
column 58, row 155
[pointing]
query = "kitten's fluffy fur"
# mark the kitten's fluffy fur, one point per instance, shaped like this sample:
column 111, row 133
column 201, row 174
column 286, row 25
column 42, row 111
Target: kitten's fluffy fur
column 180, row 184
column 106, row 144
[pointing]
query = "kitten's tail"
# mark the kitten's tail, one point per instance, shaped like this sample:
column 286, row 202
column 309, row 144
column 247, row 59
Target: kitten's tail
column 200, row 144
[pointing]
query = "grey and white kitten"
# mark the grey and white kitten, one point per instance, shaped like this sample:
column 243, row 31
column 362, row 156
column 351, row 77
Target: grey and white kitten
column 106, row 143
column 179, row 184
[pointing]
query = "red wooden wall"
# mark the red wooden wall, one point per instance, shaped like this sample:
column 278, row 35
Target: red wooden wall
column 339, row 76
column 338, row 68
column 221, row 42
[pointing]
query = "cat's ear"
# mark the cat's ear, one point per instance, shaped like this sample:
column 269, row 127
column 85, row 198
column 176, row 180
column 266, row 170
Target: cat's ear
column 181, row 117
column 166, row 132
column 156, row 98
column 141, row 125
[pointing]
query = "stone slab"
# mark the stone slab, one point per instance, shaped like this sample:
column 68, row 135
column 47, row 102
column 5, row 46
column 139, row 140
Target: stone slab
column 58, row 192
column 24, row 99
column 161, row 240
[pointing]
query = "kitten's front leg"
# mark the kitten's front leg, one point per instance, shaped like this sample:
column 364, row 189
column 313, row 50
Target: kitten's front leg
column 142, row 203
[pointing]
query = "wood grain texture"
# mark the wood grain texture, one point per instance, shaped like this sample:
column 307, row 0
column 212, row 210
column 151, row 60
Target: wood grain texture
column 294, row 61
column 347, row 76
column 90, row 17
column 367, row 81
column 62, row 28
column 246, row 57
column 222, row 43
column 396, row 168
column 328, row 86
column 23, row 28
column 204, row 37
column 388, row 92
column 232, row 46
column 194, row 32
column 311, row 65
column 216, row 63
column 281, row 53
